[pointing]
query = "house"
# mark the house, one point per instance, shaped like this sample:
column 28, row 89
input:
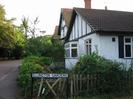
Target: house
column 64, row 22
column 107, row 32
column 55, row 36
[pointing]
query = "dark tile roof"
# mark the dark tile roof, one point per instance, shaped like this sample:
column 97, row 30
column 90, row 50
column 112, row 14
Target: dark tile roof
column 107, row 20
column 55, row 35
column 67, row 13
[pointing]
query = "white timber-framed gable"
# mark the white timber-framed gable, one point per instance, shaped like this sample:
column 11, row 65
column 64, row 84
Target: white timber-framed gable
column 80, row 28
column 63, row 28
column 94, row 31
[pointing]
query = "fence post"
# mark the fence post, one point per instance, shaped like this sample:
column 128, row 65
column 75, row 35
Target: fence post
column 67, row 87
column 31, row 86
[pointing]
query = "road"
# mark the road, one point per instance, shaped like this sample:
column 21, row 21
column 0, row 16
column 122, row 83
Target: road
column 8, row 75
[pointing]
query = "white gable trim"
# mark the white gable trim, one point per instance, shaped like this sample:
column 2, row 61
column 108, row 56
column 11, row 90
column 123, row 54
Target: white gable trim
column 80, row 28
column 63, row 28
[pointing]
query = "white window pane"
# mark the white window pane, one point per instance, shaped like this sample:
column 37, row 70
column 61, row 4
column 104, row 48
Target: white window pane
column 67, row 53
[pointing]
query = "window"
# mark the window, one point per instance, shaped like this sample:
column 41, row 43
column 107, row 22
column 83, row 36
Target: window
column 113, row 39
column 67, row 50
column 74, row 50
column 88, row 46
column 71, row 50
column 128, row 44
column 125, row 45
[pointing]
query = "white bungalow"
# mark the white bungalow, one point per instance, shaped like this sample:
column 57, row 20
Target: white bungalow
column 107, row 32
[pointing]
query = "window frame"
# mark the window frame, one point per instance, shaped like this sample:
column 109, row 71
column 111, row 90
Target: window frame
column 70, row 48
column 87, row 45
column 128, row 43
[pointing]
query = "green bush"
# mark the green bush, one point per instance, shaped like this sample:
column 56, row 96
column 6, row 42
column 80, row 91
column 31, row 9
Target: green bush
column 45, row 46
column 30, row 65
column 113, row 79
column 95, row 64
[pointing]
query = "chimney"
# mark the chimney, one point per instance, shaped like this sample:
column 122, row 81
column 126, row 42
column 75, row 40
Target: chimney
column 106, row 8
column 87, row 4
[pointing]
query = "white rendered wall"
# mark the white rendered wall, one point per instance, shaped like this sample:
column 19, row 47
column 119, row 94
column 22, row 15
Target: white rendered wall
column 95, row 43
column 70, row 62
column 110, row 50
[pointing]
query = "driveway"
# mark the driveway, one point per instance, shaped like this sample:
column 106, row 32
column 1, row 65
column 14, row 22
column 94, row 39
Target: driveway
column 8, row 75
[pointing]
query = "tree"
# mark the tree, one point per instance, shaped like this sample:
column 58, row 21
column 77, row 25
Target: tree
column 20, row 42
column 30, row 26
column 25, row 25
column 6, row 31
column 2, row 13
column 33, row 27
column 11, row 37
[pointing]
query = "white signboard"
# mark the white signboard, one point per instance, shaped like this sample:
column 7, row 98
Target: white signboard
column 42, row 75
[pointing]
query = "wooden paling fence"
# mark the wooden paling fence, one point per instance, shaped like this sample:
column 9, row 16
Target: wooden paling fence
column 79, row 84
column 89, row 84
column 98, row 84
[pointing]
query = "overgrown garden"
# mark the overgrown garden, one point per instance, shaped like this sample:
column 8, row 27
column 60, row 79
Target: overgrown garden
column 93, row 76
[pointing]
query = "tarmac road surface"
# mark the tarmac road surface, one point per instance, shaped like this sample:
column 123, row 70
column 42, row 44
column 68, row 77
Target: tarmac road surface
column 8, row 76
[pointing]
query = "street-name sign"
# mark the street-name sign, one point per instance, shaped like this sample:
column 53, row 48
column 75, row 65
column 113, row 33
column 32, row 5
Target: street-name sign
column 42, row 75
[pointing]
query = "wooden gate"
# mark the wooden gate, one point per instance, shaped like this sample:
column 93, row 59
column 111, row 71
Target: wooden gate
column 51, row 86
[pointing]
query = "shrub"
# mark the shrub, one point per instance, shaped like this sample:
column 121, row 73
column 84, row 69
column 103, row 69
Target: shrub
column 45, row 46
column 29, row 65
column 95, row 64
column 113, row 79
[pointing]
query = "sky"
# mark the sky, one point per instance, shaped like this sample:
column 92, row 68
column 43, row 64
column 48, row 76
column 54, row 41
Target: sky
column 48, row 11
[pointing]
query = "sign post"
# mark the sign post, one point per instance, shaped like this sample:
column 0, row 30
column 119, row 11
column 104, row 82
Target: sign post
column 46, row 76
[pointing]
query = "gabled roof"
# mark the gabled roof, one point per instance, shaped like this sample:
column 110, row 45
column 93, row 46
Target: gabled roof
column 104, row 20
column 66, row 15
column 55, row 35
column 107, row 20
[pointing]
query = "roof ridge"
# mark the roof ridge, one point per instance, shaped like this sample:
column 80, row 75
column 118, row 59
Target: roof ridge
column 104, row 10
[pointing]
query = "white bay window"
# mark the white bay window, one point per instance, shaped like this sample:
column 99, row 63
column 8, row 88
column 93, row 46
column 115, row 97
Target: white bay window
column 71, row 50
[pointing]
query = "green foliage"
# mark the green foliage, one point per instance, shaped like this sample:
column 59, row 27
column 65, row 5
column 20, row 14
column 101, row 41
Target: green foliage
column 7, row 33
column 37, row 46
column 2, row 13
column 30, row 65
column 112, row 76
column 95, row 64
column 25, row 26
column 44, row 46
column 20, row 41
column 12, row 40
